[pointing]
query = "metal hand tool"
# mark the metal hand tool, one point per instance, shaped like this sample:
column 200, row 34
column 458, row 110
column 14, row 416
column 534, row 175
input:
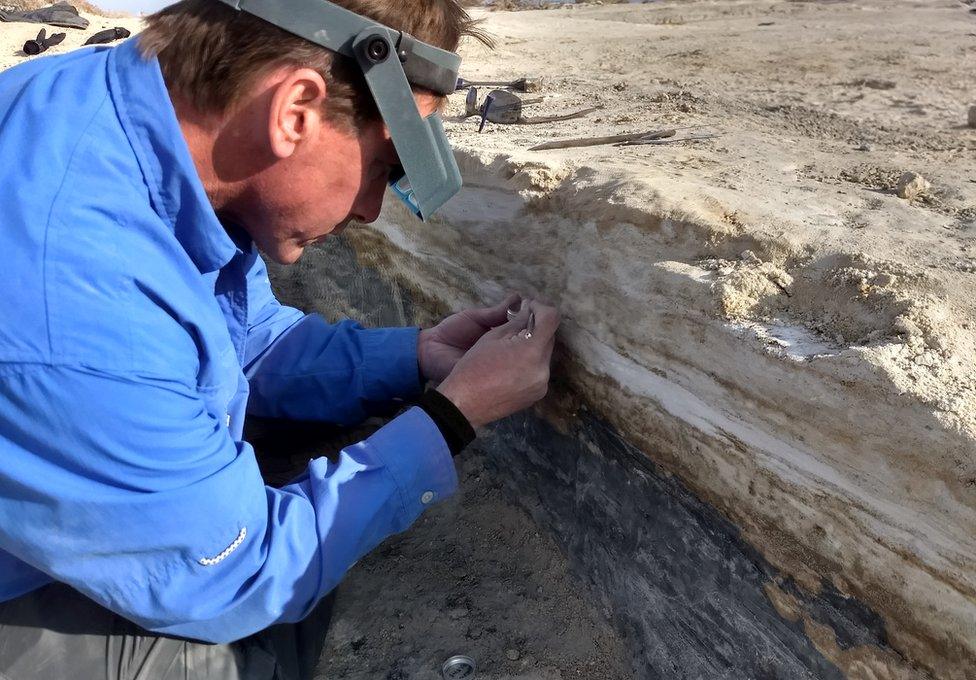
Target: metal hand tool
column 520, row 85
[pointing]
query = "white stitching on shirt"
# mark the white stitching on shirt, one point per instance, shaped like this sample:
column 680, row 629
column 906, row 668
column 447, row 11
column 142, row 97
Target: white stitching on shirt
column 210, row 561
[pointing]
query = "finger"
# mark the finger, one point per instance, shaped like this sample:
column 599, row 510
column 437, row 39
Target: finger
column 513, row 308
column 546, row 319
column 550, row 346
column 489, row 317
column 527, row 331
column 544, row 300
column 511, row 327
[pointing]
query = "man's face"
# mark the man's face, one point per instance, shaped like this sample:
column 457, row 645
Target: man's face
column 333, row 176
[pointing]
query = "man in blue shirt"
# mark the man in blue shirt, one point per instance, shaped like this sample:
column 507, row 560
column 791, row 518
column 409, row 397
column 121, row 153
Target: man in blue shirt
column 139, row 328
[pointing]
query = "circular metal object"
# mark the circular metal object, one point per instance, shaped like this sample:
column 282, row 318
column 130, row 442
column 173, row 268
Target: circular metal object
column 525, row 334
column 458, row 667
column 510, row 314
column 377, row 50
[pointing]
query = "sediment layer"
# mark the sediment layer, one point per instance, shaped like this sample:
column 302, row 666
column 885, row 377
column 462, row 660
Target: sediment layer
column 761, row 314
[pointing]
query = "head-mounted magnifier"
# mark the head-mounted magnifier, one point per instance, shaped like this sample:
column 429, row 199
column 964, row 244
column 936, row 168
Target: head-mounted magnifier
column 391, row 61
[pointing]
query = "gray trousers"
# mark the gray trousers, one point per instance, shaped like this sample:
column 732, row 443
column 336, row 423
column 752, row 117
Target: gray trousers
column 55, row 633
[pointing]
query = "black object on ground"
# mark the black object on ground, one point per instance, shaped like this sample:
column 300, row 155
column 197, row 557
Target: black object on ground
column 501, row 106
column 505, row 107
column 42, row 42
column 61, row 14
column 108, row 35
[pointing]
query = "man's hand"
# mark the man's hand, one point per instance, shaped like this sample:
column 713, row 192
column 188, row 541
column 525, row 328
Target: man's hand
column 439, row 348
column 507, row 369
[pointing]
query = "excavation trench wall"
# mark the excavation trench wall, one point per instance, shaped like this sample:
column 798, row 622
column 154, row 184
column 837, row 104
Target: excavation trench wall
column 749, row 496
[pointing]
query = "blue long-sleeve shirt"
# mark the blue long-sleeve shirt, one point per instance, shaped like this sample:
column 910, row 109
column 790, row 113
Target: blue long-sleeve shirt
column 134, row 335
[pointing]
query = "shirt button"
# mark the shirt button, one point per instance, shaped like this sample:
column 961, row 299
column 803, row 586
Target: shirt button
column 427, row 497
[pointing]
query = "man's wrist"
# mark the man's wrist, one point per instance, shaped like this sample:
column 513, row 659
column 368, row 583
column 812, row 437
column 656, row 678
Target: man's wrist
column 452, row 423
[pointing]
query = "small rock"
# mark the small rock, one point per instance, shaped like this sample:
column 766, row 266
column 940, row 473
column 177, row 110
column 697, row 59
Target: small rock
column 458, row 613
column 972, row 116
column 749, row 256
column 864, row 147
column 967, row 266
column 906, row 326
column 512, row 654
column 883, row 280
column 877, row 83
column 911, row 185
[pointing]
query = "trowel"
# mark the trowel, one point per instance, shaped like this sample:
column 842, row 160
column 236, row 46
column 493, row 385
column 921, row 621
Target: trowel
column 520, row 85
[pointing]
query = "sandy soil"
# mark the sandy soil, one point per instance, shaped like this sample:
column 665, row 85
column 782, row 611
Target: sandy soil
column 762, row 312
column 14, row 35
column 474, row 576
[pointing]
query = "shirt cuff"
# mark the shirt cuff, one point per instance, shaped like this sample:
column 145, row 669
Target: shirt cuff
column 416, row 455
column 390, row 363
column 454, row 425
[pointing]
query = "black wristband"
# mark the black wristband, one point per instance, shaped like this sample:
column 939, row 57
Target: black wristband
column 454, row 426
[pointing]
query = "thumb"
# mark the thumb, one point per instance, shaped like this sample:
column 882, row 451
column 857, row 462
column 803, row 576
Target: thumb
column 491, row 317
column 513, row 325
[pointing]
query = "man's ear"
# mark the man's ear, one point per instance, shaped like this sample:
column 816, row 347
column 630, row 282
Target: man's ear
column 296, row 109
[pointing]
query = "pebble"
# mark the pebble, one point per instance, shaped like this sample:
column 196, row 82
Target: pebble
column 967, row 266
column 512, row 654
column 883, row 280
column 749, row 256
column 458, row 613
column 911, row 185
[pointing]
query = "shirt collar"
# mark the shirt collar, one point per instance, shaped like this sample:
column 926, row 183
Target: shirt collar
column 177, row 194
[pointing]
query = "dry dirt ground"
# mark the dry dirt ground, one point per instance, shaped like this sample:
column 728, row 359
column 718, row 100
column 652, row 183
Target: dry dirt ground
column 474, row 576
column 763, row 312
column 13, row 35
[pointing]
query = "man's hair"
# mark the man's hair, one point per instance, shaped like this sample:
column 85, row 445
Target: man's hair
column 210, row 54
